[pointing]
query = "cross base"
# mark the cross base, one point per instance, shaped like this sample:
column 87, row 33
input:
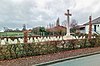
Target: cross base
column 68, row 34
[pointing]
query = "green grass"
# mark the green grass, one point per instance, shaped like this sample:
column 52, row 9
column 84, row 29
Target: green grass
column 10, row 34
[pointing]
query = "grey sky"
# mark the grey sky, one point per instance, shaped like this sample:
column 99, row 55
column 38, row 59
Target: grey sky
column 15, row 13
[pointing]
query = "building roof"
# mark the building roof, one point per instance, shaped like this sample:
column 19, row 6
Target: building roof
column 80, row 26
column 56, row 28
column 95, row 21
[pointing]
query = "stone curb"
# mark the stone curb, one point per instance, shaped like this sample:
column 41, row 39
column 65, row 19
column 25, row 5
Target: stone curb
column 66, row 59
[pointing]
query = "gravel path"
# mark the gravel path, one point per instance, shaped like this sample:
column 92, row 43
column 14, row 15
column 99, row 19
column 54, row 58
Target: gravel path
column 29, row 61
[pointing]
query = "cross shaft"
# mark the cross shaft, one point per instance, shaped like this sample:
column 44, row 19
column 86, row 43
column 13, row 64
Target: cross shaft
column 68, row 19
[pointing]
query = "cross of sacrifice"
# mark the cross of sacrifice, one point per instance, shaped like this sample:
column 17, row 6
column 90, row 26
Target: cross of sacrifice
column 68, row 19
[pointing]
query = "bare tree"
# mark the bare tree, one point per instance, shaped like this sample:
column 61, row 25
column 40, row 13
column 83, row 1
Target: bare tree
column 73, row 23
column 73, row 26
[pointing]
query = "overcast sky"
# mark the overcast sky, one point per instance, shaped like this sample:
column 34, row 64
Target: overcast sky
column 15, row 13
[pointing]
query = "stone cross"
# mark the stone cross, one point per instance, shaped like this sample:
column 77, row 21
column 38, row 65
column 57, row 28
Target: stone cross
column 68, row 15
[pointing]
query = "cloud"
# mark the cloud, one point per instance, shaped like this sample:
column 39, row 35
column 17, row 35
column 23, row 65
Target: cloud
column 15, row 13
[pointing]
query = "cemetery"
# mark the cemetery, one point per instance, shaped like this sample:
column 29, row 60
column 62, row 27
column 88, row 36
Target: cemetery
column 15, row 45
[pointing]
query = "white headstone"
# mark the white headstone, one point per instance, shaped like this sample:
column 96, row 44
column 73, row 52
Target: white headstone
column 15, row 41
column 10, row 41
column 51, row 38
column 31, row 40
column 21, row 40
column 2, row 42
column 61, row 38
column 36, row 40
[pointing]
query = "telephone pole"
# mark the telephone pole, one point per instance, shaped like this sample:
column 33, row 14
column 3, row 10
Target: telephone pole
column 90, row 28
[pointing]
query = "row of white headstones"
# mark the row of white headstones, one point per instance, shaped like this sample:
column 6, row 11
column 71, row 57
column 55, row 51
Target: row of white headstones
column 39, row 39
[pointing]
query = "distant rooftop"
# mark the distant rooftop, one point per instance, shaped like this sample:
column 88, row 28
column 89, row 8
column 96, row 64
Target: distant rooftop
column 95, row 21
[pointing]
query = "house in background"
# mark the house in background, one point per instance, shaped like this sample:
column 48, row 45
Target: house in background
column 80, row 29
column 95, row 26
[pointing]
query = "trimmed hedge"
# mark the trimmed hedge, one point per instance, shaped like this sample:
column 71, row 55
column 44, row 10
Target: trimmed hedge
column 22, row 50
column 12, row 51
